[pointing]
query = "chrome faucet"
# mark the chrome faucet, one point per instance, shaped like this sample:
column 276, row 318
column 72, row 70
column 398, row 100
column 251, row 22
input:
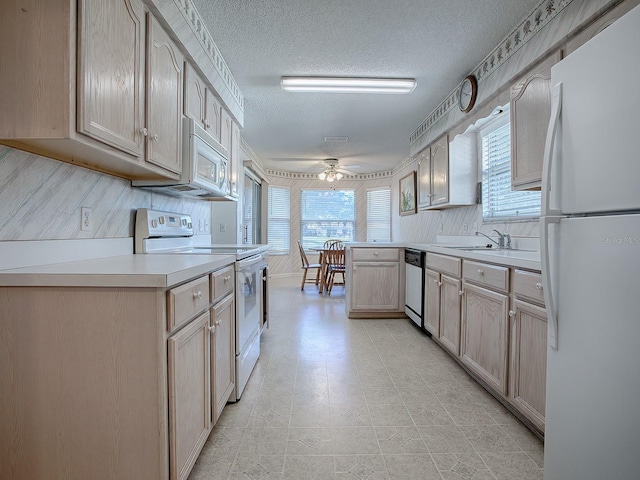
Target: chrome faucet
column 504, row 239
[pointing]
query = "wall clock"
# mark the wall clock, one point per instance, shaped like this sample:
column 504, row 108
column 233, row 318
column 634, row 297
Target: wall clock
column 468, row 91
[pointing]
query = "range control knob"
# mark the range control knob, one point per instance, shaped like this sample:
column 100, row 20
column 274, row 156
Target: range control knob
column 154, row 224
column 161, row 220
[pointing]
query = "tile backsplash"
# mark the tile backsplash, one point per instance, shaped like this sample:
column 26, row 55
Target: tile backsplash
column 41, row 199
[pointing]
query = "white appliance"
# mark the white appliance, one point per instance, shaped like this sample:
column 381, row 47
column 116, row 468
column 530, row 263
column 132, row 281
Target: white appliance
column 590, row 251
column 159, row 232
column 414, row 285
column 204, row 167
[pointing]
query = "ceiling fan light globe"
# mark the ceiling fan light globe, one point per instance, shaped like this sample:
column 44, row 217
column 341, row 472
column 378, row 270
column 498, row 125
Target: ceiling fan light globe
column 322, row 175
column 339, row 176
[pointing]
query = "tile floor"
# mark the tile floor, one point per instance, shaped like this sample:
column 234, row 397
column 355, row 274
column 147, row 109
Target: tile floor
column 333, row 398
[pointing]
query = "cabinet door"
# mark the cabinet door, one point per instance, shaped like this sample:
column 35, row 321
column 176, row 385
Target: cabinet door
column 223, row 367
column 111, row 88
column 189, row 394
column 432, row 302
column 375, row 286
column 530, row 111
column 213, row 114
column 440, row 171
column 194, row 95
column 484, row 345
column 234, row 159
column 450, row 314
column 225, row 129
column 528, row 360
column 164, row 105
column 424, row 178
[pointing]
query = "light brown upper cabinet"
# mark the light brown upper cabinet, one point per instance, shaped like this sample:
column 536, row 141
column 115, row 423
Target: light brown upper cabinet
column 530, row 111
column 96, row 85
column 447, row 173
column 440, row 171
column 424, row 178
column 164, row 104
column 106, row 74
column 230, row 139
column 200, row 103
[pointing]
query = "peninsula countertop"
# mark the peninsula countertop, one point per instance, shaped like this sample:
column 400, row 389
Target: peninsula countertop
column 135, row 270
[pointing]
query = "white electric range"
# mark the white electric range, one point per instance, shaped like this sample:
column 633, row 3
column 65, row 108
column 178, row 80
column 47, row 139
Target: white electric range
column 159, row 232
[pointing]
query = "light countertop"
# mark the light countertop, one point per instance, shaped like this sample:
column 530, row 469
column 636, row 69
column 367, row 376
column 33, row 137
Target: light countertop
column 158, row 271
column 529, row 259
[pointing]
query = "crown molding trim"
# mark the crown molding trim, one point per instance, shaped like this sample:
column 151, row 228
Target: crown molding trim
column 314, row 176
column 200, row 31
column 546, row 11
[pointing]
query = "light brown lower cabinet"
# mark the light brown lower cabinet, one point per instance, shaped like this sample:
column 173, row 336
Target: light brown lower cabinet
column 189, row 394
column 485, row 335
column 450, row 314
column 112, row 382
column 223, row 367
column 528, row 360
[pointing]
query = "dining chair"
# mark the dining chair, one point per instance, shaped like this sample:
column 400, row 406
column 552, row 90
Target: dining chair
column 328, row 242
column 306, row 266
column 335, row 265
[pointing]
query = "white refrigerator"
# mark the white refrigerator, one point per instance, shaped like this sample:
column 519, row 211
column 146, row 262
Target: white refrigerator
column 590, row 251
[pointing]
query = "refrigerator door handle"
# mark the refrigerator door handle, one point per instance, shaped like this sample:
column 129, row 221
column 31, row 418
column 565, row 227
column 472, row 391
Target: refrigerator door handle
column 549, row 149
column 552, row 329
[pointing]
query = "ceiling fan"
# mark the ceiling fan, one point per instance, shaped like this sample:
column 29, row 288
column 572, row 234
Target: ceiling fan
column 333, row 171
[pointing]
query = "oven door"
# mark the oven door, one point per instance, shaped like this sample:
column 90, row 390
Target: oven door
column 249, row 298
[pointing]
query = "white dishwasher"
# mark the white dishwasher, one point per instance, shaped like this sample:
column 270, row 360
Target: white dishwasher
column 414, row 285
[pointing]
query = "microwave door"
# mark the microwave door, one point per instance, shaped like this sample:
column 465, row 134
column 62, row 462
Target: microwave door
column 207, row 168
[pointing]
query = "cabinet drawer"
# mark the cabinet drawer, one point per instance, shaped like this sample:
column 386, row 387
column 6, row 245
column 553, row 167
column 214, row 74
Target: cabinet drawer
column 185, row 301
column 221, row 283
column 528, row 285
column 376, row 254
column 444, row 264
column 491, row 276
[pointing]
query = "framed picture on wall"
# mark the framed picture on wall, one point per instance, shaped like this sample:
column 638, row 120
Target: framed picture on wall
column 408, row 205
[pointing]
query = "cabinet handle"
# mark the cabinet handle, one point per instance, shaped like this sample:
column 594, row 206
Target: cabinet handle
column 461, row 292
column 436, row 281
column 154, row 137
column 197, row 295
column 212, row 328
column 375, row 253
column 439, row 284
column 219, row 321
column 480, row 272
column 144, row 132
column 538, row 286
column 207, row 124
column 512, row 313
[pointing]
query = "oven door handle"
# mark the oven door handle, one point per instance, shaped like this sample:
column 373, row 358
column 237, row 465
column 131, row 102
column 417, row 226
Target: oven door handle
column 247, row 262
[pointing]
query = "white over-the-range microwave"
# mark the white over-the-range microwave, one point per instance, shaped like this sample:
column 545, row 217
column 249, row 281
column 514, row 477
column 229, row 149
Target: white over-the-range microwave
column 204, row 167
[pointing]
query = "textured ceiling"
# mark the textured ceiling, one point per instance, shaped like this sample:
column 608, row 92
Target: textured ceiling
column 436, row 42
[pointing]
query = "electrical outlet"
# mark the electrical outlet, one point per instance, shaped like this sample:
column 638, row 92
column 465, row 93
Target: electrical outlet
column 441, row 229
column 223, row 227
column 86, row 219
column 465, row 228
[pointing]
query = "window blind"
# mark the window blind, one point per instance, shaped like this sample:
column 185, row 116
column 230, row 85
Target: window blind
column 326, row 214
column 279, row 214
column 379, row 214
column 498, row 201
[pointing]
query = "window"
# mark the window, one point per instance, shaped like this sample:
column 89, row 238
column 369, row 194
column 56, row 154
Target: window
column 499, row 203
column 279, row 231
column 379, row 214
column 326, row 214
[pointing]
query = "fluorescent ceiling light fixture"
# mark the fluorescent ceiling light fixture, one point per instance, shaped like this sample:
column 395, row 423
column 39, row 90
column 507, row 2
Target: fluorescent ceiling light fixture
column 348, row 85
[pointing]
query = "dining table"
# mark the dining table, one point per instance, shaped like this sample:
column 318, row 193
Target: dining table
column 324, row 266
